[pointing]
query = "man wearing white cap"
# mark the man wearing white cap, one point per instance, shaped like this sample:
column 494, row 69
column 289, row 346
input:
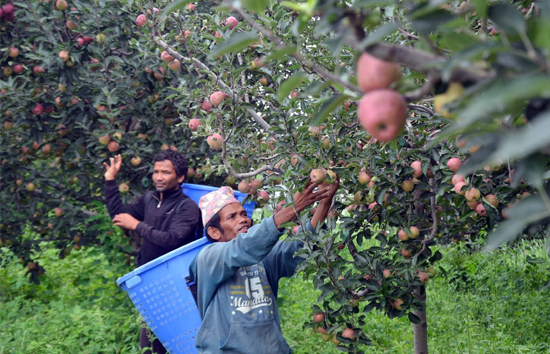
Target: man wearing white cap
column 238, row 274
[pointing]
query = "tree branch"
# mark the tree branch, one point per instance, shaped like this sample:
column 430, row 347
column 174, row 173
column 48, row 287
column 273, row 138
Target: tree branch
column 281, row 44
column 259, row 120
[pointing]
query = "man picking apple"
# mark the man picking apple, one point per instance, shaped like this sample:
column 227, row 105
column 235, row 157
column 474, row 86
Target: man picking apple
column 237, row 275
column 165, row 219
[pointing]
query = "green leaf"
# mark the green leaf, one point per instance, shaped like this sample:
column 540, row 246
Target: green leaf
column 496, row 99
column 279, row 53
column 235, row 43
column 379, row 34
column 527, row 140
column 507, row 18
column 431, row 21
column 256, row 6
column 174, row 6
column 413, row 318
column 522, row 214
column 328, row 107
column 290, row 84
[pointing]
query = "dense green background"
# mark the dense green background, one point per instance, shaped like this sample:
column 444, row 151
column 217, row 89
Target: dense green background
column 478, row 303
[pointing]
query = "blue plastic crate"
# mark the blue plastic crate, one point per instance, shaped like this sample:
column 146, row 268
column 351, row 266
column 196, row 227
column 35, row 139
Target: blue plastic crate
column 196, row 191
column 159, row 291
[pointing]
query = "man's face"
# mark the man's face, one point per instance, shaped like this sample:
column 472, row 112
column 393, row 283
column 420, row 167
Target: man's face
column 164, row 176
column 233, row 220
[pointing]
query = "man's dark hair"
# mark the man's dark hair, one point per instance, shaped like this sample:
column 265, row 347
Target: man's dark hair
column 214, row 222
column 178, row 160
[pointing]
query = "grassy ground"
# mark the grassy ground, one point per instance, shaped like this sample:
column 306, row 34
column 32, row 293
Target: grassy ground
column 479, row 303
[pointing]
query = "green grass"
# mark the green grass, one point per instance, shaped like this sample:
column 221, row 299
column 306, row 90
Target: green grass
column 479, row 303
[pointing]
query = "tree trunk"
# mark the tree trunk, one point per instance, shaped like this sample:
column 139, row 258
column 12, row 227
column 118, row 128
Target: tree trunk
column 420, row 330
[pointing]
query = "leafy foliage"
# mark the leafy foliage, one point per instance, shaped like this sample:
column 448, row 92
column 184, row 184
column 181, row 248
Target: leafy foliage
column 474, row 75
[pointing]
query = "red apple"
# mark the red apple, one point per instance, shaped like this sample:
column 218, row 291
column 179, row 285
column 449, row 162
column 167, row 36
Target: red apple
column 417, row 165
column 215, row 141
column 104, row 140
column 64, row 55
column 174, row 65
column 206, row 105
column 492, row 199
column 58, row 212
column 423, row 277
column 457, row 178
column 349, row 333
column 480, row 209
column 415, row 232
column 38, row 109
column 383, row 114
column 88, row 40
column 294, row 160
column 8, row 9
column 319, row 317
column 458, row 188
column 454, row 164
column 13, row 52
column 167, row 58
column 18, row 68
column 94, row 61
column 318, row 175
column 258, row 63
column 112, row 146
column 216, row 98
column 71, row 25
column 60, row 5
column 191, row 7
column 376, row 74
column 263, row 197
column 159, row 75
column 403, row 235
column 243, row 187
column 231, row 22
column 364, row 178
column 194, row 123
column 141, row 20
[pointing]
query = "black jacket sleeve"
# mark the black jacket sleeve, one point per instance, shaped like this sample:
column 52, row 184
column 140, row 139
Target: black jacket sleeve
column 115, row 205
column 182, row 228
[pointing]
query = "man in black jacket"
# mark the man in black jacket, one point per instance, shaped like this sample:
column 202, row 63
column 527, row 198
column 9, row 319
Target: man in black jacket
column 165, row 219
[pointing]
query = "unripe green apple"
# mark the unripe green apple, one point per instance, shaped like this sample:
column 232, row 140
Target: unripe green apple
column 407, row 185
column 473, row 195
column 123, row 188
column 415, row 232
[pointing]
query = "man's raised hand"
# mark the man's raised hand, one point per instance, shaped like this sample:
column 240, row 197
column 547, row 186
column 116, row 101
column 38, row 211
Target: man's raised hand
column 113, row 168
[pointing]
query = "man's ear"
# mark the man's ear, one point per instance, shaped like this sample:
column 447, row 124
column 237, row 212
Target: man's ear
column 180, row 179
column 214, row 233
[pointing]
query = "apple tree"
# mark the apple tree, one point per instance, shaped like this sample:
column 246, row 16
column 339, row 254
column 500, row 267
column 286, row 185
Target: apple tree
column 433, row 116
column 429, row 114
column 76, row 88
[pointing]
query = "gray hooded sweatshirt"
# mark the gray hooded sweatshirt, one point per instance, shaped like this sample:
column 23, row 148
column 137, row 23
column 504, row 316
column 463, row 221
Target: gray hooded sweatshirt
column 237, row 291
